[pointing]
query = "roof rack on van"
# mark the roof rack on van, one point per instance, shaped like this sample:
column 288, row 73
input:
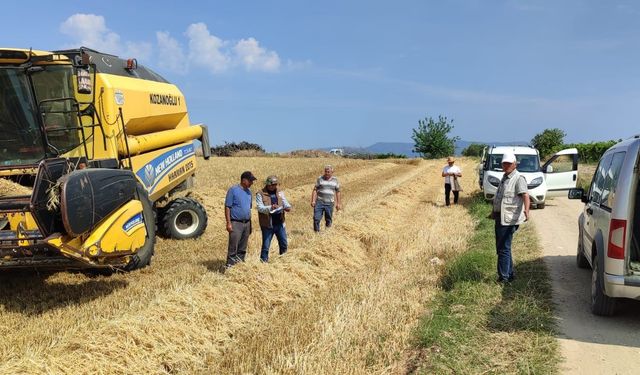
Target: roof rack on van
column 514, row 145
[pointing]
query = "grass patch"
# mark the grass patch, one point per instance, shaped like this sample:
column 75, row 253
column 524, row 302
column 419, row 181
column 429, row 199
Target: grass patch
column 477, row 325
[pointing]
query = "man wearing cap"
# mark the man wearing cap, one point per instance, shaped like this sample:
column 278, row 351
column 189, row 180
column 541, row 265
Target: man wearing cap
column 450, row 172
column 510, row 209
column 272, row 205
column 325, row 194
column 237, row 211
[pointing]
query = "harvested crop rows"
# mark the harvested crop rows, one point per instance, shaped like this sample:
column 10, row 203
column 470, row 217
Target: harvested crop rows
column 344, row 301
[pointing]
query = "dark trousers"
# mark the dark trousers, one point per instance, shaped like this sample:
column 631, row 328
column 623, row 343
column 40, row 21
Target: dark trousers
column 504, row 235
column 267, row 235
column 238, row 240
column 322, row 208
column 447, row 190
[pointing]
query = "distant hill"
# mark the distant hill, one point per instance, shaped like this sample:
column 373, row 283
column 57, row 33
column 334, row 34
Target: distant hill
column 406, row 148
column 401, row 148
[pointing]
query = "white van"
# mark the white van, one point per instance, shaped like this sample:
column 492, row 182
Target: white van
column 609, row 234
column 553, row 179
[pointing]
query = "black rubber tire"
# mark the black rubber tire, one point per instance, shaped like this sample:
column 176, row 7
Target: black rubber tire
column 142, row 257
column 540, row 206
column 183, row 218
column 601, row 304
column 581, row 260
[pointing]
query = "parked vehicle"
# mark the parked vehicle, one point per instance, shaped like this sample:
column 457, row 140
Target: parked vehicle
column 103, row 146
column 609, row 235
column 337, row 151
column 554, row 178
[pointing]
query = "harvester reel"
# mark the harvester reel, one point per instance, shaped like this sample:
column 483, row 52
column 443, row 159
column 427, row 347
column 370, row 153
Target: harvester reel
column 183, row 218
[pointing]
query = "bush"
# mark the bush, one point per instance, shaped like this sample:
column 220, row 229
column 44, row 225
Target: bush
column 229, row 149
column 310, row 154
column 548, row 141
column 589, row 152
column 389, row 155
column 474, row 149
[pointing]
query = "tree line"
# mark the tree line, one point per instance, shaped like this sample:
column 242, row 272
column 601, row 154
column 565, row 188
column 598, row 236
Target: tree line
column 432, row 141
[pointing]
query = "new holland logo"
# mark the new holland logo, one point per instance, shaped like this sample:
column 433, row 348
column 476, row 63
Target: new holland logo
column 149, row 174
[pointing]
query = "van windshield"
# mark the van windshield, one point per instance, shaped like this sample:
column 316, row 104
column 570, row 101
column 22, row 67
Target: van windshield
column 526, row 163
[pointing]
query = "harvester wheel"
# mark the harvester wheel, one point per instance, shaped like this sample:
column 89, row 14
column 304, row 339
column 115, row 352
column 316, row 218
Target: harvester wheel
column 183, row 218
column 142, row 258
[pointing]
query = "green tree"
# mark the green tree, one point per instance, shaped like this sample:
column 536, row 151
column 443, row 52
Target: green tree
column 549, row 141
column 474, row 149
column 431, row 138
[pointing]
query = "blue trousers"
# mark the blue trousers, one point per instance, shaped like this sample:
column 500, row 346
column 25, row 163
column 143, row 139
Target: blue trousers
column 319, row 209
column 504, row 235
column 267, row 235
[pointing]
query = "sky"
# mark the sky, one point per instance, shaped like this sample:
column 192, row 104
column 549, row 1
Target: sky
column 294, row 74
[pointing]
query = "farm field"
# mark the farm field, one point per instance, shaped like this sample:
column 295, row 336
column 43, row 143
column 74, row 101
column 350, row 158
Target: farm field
column 346, row 300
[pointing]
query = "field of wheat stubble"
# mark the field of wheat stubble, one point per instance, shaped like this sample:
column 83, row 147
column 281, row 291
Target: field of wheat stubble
column 346, row 300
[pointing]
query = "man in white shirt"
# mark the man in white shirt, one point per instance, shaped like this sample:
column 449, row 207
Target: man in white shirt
column 450, row 173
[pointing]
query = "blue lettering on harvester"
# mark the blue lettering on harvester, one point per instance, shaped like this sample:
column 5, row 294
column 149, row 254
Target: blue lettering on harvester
column 133, row 222
column 151, row 173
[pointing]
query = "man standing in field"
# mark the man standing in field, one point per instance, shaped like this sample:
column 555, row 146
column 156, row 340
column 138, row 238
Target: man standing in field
column 451, row 173
column 237, row 212
column 325, row 194
column 272, row 205
column 510, row 209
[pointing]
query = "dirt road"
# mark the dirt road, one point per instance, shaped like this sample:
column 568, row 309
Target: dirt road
column 589, row 344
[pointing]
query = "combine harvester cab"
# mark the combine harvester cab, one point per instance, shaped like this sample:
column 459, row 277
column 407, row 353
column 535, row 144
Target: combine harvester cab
column 95, row 153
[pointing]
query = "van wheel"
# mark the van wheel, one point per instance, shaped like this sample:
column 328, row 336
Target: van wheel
column 183, row 218
column 581, row 260
column 601, row 304
column 142, row 257
column 540, row 206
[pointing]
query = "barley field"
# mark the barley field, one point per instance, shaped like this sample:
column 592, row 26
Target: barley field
column 345, row 301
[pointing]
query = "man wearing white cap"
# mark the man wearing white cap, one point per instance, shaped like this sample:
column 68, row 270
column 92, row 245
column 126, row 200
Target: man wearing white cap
column 510, row 209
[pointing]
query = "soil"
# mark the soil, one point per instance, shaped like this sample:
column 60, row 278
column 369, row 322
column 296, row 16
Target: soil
column 589, row 344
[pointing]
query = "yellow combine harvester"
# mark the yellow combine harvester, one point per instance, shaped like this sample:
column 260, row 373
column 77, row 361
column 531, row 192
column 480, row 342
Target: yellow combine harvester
column 104, row 145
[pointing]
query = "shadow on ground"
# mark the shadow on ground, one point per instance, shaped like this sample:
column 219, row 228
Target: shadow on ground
column 29, row 292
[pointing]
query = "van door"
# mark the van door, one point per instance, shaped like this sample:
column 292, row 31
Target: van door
column 481, row 167
column 561, row 172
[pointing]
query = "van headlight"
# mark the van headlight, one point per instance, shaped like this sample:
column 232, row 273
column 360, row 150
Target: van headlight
column 535, row 183
column 493, row 181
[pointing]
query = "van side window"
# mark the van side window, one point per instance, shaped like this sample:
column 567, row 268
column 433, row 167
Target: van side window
column 611, row 180
column 595, row 192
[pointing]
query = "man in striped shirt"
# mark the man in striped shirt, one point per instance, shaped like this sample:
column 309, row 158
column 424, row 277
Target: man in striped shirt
column 325, row 195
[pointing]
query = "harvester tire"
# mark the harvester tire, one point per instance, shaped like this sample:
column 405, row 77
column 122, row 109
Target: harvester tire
column 142, row 257
column 183, row 218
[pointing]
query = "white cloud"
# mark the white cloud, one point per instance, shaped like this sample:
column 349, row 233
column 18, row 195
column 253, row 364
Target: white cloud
column 203, row 49
column 253, row 57
column 170, row 53
column 90, row 30
column 206, row 50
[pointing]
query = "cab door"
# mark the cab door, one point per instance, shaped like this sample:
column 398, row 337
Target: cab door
column 561, row 172
column 481, row 167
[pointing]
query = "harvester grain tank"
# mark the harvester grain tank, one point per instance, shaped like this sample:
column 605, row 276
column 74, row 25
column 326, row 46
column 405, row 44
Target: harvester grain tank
column 106, row 147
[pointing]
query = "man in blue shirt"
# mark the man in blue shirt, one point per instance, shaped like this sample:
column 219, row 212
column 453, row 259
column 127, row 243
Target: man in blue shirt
column 237, row 211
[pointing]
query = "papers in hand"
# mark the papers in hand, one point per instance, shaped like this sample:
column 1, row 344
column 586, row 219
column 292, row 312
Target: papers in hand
column 276, row 210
